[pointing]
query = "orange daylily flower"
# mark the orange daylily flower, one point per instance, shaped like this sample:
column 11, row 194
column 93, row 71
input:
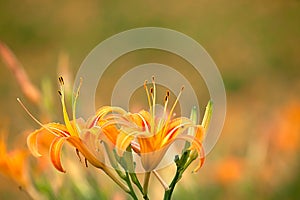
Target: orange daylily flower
column 151, row 135
column 13, row 163
column 69, row 132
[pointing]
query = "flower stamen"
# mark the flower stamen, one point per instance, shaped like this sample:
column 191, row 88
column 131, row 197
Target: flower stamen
column 35, row 119
column 65, row 113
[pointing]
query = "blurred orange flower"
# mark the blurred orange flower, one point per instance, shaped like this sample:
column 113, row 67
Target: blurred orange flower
column 229, row 170
column 13, row 163
column 287, row 128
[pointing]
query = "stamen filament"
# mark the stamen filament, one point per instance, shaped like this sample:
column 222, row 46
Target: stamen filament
column 173, row 107
column 35, row 119
column 74, row 105
column 148, row 96
column 153, row 105
column 160, row 179
column 65, row 114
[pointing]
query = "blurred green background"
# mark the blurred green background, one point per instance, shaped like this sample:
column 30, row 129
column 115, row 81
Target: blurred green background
column 255, row 44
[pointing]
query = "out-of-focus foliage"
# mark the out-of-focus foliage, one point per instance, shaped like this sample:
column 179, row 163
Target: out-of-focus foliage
column 254, row 44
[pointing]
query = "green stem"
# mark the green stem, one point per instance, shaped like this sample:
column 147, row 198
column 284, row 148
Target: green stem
column 146, row 185
column 132, row 193
column 182, row 164
column 136, row 181
column 116, row 180
column 177, row 177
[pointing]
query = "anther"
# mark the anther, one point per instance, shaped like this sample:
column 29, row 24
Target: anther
column 182, row 88
column 77, row 152
column 151, row 90
column 85, row 162
column 166, row 98
column 59, row 92
column 153, row 79
column 168, row 93
column 61, row 80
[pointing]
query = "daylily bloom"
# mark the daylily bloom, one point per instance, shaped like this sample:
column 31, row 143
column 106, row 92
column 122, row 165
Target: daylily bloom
column 151, row 134
column 82, row 136
column 70, row 131
column 13, row 163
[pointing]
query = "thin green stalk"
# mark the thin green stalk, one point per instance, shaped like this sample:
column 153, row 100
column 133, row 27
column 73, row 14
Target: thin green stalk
column 136, row 181
column 116, row 180
column 177, row 177
column 146, row 184
column 132, row 193
column 182, row 164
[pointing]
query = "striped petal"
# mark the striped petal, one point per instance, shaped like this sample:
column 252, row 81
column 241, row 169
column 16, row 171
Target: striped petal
column 32, row 143
column 123, row 141
column 55, row 152
column 197, row 148
column 56, row 129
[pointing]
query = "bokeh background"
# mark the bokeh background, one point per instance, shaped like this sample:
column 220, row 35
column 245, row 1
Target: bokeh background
column 255, row 44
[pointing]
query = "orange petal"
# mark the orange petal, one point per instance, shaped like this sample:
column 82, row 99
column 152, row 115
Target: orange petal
column 174, row 128
column 196, row 145
column 56, row 129
column 32, row 143
column 200, row 133
column 78, row 144
column 55, row 152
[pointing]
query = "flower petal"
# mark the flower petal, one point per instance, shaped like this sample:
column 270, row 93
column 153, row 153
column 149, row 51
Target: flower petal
column 196, row 146
column 123, row 141
column 32, row 143
column 78, row 144
column 55, row 152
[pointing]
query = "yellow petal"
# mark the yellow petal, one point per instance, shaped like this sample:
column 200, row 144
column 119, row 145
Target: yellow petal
column 207, row 115
column 55, row 152
column 108, row 109
column 123, row 141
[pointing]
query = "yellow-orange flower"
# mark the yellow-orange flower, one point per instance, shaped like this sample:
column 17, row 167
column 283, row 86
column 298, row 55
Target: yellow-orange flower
column 70, row 132
column 13, row 163
column 151, row 135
